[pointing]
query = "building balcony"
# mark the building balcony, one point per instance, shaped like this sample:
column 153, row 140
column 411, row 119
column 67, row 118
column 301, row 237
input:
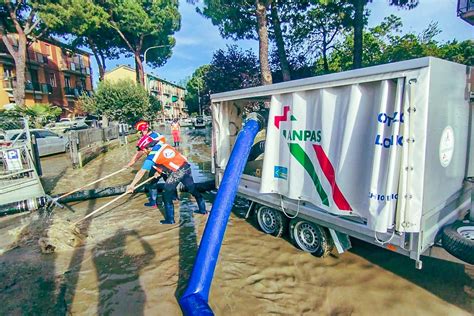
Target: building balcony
column 9, row 84
column 76, row 92
column 466, row 10
column 75, row 68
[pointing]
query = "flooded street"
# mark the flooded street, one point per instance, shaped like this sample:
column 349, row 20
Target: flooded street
column 129, row 264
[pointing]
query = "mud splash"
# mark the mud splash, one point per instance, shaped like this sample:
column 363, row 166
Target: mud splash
column 129, row 264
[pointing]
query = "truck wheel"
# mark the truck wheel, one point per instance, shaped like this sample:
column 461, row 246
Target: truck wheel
column 458, row 240
column 271, row 221
column 311, row 238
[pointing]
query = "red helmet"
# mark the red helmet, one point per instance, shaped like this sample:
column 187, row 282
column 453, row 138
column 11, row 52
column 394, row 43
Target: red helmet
column 141, row 126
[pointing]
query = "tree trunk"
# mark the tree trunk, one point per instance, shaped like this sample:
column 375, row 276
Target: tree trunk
column 99, row 58
column 280, row 43
column 358, row 32
column 139, row 69
column 325, row 52
column 19, row 57
column 263, row 43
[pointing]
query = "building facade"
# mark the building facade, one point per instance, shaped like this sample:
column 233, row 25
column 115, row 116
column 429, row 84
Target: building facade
column 170, row 95
column 55, row 74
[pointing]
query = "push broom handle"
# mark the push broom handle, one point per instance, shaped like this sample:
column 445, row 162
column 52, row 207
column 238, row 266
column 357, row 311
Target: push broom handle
column 110, row 202
column 94, row 182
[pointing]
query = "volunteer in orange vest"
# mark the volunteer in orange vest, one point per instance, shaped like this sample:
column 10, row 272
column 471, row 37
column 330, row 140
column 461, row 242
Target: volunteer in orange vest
column 148, row 138
column 176, row 131
column 164, row 158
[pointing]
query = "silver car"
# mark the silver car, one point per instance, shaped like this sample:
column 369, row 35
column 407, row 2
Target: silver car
column 48, row 142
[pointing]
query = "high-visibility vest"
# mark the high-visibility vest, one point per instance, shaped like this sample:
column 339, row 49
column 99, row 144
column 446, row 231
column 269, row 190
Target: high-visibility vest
column 164, row 155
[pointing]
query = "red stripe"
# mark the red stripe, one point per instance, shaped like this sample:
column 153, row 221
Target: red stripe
column 284, row 117
column 328, row 171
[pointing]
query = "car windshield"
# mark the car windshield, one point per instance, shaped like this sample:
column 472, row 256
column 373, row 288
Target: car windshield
column 46, row 134
column 14, row 136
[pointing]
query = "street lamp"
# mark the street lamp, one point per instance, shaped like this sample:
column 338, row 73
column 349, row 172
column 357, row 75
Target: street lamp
column 147, row 88
column 144, row 58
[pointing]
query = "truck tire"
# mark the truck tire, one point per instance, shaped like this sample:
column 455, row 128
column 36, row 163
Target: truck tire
column 458, row 240
column 311, row 238
column 271, row 221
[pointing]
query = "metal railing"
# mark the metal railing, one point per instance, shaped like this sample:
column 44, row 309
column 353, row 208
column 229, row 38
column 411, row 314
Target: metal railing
column 19, row 180
column 10, row 84
column 464, row 6
column 76, row 92
column 76, row 67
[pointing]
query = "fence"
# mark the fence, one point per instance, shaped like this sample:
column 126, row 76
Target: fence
column 89, row 143
column 19, row 181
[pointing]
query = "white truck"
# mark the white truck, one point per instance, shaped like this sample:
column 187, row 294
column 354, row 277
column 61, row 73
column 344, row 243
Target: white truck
column 383, row 154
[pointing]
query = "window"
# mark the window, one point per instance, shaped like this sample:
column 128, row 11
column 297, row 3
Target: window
column 48, row 50
column 67, row 81
column 52, row 80
column 7, row 72
column 45, row 134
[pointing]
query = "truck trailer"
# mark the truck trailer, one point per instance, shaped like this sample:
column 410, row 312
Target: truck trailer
column 383, row 154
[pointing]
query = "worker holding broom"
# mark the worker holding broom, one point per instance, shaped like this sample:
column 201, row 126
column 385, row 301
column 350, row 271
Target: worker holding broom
column 164, row 158
column 149, row 138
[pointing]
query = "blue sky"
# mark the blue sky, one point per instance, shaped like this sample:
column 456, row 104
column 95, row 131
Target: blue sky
column 198, row 38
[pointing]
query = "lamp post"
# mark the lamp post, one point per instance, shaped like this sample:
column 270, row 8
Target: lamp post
column 146, row 76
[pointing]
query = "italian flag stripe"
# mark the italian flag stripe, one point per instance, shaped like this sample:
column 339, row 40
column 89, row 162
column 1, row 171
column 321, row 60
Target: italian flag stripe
column 305, row 161
column 328, row 171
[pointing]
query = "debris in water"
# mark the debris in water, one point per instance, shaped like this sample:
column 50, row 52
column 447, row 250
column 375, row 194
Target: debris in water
column 45, row 245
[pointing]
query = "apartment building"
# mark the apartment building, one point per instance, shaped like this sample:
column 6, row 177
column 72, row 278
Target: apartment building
column 169, row 94
column 55, row 74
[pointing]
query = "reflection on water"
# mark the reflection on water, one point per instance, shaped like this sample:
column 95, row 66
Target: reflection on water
column 132, row 265
column 118, row 265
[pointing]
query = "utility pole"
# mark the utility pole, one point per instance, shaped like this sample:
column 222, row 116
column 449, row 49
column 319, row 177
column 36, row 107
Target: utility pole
column 199, row 101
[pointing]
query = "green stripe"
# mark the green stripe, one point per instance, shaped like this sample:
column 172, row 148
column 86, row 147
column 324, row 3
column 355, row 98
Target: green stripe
column 305, row 161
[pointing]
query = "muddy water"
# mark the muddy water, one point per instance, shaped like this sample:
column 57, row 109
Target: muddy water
column 131, row 265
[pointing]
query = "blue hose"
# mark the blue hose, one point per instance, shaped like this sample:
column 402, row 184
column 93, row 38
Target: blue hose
column 195, row 299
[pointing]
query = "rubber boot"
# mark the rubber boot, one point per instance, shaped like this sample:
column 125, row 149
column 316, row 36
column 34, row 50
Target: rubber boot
column 152, row 198
column 202, row 206
column 169, row 214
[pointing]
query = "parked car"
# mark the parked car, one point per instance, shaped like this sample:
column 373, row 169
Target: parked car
column 48, row 142
column 199, row 122
column 76, row 128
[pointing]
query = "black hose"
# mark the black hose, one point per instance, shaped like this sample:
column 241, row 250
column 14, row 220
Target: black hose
column 25, row 206
column 110, row 191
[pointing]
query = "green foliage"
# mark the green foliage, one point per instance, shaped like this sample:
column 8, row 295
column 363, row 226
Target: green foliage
column 88, row 24
column 155, row 105
column 38, row 114
column 384, row 44
column 123, row 101
column 232, row 69
column 235, row 19
column 196, row 87
column 143, row 24
column 313, row 31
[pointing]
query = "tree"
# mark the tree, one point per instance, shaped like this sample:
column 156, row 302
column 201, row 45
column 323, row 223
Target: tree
column 197, row 90
column 243, row 19
column 123, row 101
column 21, row 21
column 315, row 30
column 360, row 20
column 232, row 69
column 384, row 44
column 38, row 114
column 88, row 23
column 142, row 24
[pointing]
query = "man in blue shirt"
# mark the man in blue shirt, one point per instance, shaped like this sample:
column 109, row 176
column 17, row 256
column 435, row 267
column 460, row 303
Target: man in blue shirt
column 149, row 139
